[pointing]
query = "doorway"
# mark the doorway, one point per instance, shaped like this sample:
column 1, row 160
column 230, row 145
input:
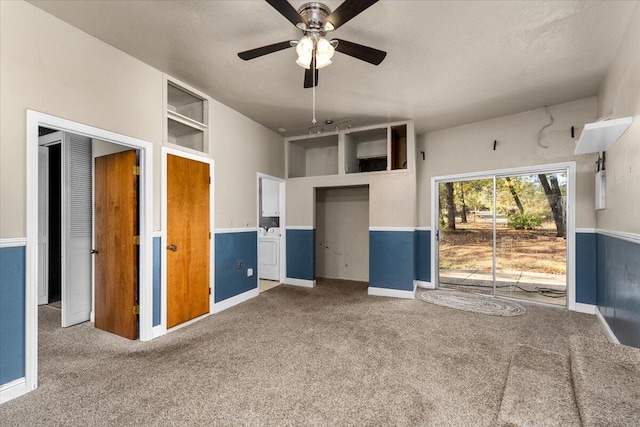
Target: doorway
column 270, row 232
column 342, row 233
column 35, row 121
column 506, row 234
column 87, row 230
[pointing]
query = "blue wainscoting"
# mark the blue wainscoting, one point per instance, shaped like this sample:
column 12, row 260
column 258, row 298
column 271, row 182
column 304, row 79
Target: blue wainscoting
column 423, row 255
column 301, row 254
column 12, row 313
column 391, row 259
column 157, row 264
column 586, row 268
column 618, row 286
column 231, row 248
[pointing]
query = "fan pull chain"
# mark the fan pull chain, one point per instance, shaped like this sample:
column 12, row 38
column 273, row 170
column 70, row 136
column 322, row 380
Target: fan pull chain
column 313, row 121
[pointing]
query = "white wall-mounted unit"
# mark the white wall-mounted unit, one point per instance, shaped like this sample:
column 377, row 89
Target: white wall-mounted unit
column 270, row 198
column 600, row 136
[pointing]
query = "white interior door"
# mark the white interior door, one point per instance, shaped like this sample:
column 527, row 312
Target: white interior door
column 76, row 230
column 43, row 225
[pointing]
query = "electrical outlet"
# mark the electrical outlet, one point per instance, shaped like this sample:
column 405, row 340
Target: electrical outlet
column 239, row 264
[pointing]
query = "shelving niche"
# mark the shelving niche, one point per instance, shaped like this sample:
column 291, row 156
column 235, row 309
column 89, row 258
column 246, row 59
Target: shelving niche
column 366, row 151
column 313, row 156
column 351, row 151
column 187, row 114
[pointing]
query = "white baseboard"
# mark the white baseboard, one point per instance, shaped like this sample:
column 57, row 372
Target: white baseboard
column 156, row 331
column 425, row 285
column 585, row 308
column 12, row 390
column 605, row 326
column 230, row 302
column 300, row 282
column 394, row 293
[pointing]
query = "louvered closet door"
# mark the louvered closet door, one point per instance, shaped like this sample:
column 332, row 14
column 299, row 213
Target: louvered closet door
column 43, row 225
column 76, row 250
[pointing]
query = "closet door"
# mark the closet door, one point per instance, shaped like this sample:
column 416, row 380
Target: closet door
column 188, row 210
column 116, row 257
column 76, row 244
column 43, row 225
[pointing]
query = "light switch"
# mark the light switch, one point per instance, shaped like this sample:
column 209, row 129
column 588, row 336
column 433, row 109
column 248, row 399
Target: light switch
column 249, row 272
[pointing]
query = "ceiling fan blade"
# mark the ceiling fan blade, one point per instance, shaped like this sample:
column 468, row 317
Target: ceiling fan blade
column 264, row 50
column 364, row 53
column 308, row 74
column 347, row 11
column 288, row 11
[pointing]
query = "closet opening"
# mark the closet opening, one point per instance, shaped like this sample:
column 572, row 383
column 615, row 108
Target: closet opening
column 342, row 234
column 88, row 204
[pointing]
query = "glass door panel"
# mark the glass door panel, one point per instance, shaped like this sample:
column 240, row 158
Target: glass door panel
column 531, row 244
column 465, row 227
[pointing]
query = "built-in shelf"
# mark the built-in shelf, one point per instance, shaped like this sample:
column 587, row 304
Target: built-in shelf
column 186, row 121
column 186, row 116
column 313, row 156
column 366, row 151
column 352, row 151
column 600, row 136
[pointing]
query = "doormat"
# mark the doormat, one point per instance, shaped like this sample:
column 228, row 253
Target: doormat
column 472, row 302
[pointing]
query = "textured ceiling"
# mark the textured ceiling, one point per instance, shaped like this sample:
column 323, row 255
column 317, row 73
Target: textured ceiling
column 448, row 63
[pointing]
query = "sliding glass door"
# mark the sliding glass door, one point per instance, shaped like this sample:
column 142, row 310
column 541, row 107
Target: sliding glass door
column 531, row 244
column 466, row 235
column 505, row 235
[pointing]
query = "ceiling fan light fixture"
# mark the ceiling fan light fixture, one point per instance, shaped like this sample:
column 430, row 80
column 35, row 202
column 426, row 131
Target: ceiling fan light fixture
column 304, row 49
column 322, row 61
column 324, row 52
column 324, row 48
column 304, row 61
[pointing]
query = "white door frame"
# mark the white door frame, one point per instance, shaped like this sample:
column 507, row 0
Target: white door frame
column 34, row 120
column 568, row 167
column 163, row 249
column 282, row 189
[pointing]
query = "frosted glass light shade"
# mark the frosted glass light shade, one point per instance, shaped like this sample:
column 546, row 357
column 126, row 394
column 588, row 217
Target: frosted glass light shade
column 324, row 52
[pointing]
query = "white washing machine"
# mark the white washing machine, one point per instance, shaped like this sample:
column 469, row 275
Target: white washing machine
column 269, row 254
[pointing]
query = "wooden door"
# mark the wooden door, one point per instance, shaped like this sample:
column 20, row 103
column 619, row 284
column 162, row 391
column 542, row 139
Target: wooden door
column 116, row 260
column 187, row 239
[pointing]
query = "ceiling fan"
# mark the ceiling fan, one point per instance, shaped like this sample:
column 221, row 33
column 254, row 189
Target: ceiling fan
column 314, row 51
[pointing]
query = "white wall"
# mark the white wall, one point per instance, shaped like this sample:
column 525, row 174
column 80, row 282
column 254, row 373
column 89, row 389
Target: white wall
column 469, row 148
column 620, row 97
column 342, row 233
column 52, row 67
column 241, row 149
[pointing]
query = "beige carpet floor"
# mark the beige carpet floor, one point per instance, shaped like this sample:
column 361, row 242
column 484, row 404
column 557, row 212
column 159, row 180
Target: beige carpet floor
column 331, row 355
column 539, row 391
